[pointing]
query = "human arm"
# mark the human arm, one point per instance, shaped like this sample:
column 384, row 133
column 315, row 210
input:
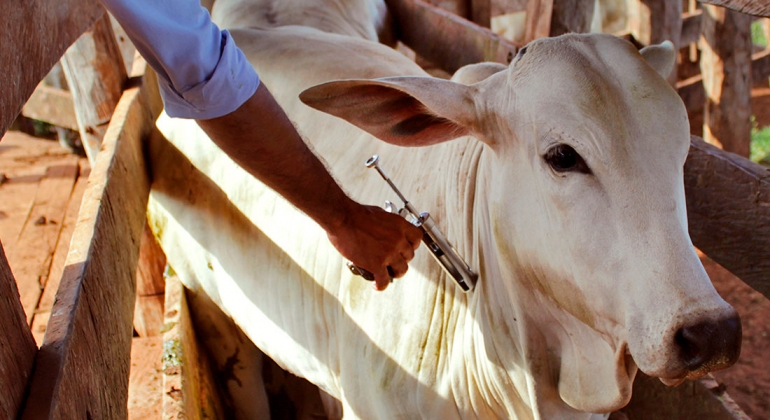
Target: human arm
column 261, row 138
column 204, row 76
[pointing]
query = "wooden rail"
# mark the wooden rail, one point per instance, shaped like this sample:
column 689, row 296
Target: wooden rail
column 17, row 347
column 82, row 367
column 749, row 7
column 420, row 24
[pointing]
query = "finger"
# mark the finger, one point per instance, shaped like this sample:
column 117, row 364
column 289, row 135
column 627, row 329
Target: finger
column 407, row 252
column 399, row 268
column 381, row 279
column 414, row 236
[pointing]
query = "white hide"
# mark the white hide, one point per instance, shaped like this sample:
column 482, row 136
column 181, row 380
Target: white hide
column 582, row 276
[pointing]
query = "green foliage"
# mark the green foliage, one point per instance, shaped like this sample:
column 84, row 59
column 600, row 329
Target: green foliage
column 760, row 144
column 757, row 34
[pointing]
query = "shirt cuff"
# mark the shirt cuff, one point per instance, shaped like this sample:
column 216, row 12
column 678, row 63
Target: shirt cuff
column 232, row 82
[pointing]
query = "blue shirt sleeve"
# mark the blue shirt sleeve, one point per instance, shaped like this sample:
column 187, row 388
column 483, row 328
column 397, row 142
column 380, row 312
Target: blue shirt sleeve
column 202, row 73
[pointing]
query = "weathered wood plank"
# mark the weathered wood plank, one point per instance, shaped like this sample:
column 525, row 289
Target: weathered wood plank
column 463, row 42
column 82, row 369
column 40, row 30
column 52, row 105
column 145, row 384
column 189, row 389
column 95, row 73
column 749, row 7
column 726, row 67
column 728, row 206
column 43, row 311
column 31, row 257
column 699, row 399
column 17, row 347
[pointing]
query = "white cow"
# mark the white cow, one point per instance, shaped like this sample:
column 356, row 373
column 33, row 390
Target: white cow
column 559, row 178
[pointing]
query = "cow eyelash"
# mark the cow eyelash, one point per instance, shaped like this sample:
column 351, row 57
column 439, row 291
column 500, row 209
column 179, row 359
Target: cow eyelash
column 563, row 158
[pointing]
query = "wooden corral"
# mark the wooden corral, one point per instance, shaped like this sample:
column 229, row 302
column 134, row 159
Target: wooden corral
column 114, row 268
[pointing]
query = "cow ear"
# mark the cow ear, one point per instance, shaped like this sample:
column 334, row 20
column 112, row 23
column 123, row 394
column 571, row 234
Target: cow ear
column 661, row 57
column 405, row 111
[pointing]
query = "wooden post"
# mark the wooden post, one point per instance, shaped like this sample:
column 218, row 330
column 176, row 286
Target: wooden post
column 95, row 74
column 557, row 17
column 571, row 16
column 481, row 12
column 539, row 14
column 17, row 347
column 654, row 21
column 726, row 67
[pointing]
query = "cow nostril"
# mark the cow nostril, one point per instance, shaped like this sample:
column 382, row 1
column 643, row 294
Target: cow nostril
column 710, row 345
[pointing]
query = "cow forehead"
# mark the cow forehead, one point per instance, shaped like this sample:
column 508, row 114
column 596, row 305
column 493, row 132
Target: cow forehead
column 597, row 87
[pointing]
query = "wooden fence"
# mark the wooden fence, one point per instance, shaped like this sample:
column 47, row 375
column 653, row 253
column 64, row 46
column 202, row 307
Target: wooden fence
column 81, row 369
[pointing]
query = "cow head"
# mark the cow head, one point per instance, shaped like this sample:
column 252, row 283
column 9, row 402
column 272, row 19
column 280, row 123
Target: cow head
column 584, row 205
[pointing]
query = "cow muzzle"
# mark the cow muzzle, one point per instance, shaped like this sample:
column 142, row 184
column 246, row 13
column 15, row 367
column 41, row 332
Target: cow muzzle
column 706, row 345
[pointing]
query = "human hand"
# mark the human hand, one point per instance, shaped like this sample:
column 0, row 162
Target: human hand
column 375, row 240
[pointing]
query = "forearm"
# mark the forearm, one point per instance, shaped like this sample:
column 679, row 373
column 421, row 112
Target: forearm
column 261, row 139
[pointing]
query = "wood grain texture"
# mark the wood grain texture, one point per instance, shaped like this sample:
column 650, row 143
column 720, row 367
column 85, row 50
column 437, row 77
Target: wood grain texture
column 189, row 390
column 95, row 73
column 749, row 7
column 463, row 42
column 17, row 347
column 40, row 30
column 728, row 207
column 82, row 369
column 52, row 105
column 43, row 310
column 726, row 68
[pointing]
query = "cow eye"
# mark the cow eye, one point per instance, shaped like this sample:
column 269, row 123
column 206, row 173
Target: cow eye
column 563, row 158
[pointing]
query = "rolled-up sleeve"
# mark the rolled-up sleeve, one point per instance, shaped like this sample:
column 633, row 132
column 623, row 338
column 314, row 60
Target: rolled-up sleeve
column 202, row 73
